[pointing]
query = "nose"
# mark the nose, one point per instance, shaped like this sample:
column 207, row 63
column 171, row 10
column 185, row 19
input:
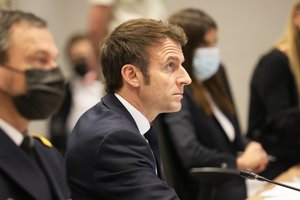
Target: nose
column 185, row 78
column 51, row 65
column 53, row 55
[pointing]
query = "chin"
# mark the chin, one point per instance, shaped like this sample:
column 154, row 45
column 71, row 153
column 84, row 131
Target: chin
column 174, row 109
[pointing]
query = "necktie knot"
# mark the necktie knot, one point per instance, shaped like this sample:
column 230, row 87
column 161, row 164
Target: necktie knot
column 27, row 146
column 151, row 136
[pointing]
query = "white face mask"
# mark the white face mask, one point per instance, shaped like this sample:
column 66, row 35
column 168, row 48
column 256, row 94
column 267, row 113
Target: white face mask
column 206, row 62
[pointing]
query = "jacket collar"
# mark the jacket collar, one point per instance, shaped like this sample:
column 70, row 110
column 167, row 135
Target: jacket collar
column 112, row 102
column 19, row 168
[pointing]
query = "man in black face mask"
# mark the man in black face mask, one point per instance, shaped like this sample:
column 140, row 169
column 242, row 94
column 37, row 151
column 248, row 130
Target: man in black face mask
column 83, row 90
column 31, row 87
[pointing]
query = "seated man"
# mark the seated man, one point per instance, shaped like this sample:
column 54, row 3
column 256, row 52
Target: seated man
column 31, row 87
column 112, row 153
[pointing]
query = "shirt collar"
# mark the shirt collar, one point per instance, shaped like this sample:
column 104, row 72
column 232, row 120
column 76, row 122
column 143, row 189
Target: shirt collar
column 141, row 121
column 15, row 135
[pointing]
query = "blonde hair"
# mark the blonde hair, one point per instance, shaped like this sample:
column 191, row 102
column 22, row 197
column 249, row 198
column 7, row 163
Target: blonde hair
column 291, row 42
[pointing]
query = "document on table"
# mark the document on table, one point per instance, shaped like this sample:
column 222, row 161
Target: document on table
column 279, row 192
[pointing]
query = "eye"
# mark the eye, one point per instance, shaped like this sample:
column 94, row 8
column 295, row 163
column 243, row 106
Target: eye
column 171, row 66
column 40, row 61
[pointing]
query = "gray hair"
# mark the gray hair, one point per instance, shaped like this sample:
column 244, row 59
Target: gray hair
column 8, row 18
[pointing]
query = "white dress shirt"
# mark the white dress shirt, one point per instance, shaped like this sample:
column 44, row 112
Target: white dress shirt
column 15, row 135
column 141, row 121
column 222, row 119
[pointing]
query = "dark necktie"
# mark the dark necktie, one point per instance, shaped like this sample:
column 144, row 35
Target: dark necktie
column 151, row 136
column 27, row 146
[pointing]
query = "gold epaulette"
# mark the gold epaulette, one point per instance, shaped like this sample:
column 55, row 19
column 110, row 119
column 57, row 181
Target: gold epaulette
column 43, row 140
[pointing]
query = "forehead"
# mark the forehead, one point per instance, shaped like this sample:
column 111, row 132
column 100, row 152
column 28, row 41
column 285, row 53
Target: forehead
column 165, row 50
column 27, row 39
column 81, row 48
column 210, row 37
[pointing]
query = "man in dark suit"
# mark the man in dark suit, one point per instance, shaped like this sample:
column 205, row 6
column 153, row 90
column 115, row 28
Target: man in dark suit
column 112, row 152
column 31, row 87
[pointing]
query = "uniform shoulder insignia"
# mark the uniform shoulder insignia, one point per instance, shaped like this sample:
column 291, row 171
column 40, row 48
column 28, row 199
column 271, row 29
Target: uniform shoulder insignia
column 43, row 140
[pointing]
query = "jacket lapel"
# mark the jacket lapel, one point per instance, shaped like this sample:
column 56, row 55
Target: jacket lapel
column 112, row 102
column 18, row 166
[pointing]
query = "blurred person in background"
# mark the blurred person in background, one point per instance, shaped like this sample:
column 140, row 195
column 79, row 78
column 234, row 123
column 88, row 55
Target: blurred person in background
column 5, row 4
column 274, row 115
column 31, row 87
column 205, row 132
column 105, row 15
column 83, row 90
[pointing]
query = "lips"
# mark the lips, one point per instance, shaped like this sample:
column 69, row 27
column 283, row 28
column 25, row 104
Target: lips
column 179, row 93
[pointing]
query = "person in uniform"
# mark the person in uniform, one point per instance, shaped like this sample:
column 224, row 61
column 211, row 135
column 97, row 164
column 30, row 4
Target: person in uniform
column 31, row 87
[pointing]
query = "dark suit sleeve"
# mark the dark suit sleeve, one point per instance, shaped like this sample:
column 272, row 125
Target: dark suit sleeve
column 181, row 129
column 125, row 168
column 273, row 87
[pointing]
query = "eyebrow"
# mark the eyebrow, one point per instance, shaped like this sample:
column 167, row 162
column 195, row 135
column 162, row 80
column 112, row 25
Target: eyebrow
column 45, row 52
column 174, row 58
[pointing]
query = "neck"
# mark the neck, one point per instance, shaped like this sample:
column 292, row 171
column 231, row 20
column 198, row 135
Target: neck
column 133, row 98
column 283, row 47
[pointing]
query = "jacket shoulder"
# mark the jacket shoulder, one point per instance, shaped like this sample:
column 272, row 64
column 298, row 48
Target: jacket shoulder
column 42, row 140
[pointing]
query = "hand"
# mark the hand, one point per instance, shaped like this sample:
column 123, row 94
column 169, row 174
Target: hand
column 254, row 158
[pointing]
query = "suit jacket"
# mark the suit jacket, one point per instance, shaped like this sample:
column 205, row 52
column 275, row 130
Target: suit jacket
column 21, row 179
column 274, row 113
column 199, row 140
column 108, row 158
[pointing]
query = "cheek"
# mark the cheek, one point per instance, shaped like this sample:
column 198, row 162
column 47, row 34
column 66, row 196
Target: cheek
column 297, row 20
column 15, row 85
column 160, row 88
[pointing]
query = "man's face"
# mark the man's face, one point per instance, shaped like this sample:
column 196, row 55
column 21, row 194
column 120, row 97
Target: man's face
column 167, row 79
column 30, row 47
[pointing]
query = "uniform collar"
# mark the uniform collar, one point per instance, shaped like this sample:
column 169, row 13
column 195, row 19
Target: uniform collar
column 15, row 135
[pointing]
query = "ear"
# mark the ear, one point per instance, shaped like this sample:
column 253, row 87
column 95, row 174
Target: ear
column 131, row 75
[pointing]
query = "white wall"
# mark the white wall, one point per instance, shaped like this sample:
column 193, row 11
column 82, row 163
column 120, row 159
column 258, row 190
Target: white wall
column 247, row 29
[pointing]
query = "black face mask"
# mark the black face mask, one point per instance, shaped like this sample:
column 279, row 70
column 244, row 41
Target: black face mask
column 80, row 67
column 45, row 93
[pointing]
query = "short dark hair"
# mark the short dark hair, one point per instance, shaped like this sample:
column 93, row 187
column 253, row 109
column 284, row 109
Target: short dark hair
column 129, row 43
column 8, row 18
